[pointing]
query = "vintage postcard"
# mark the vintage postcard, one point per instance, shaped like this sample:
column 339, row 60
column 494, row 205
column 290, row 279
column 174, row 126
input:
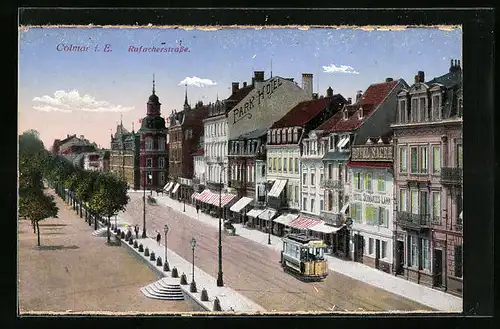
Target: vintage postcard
column 240, row 169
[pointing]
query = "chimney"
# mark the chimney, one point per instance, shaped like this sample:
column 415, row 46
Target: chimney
column 259, row 76
column 421, row 76
column 235, row 87
column 349, row 100
column 307, row 83
column 315, row 95
column 416, row 78
column 244, row 84
column 329, row 92
column 358, row 95
column 388, row 79
column 253, row 81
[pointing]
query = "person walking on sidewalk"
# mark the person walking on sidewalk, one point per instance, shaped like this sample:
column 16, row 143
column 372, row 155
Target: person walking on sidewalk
column 136, row 229
column 158, row 237
column 197, row 208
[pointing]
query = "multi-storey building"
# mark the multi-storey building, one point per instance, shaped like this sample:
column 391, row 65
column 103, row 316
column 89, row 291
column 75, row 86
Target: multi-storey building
column 96, row 161
column 124, row 156
column 185, row 130
column 370, row 115
column 371, row 202
column 428, row 171
column 284, row 148
column 153, row 155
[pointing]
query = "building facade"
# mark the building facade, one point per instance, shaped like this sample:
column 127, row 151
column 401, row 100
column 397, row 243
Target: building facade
column 153, row 155
column 428, row 171
column 96, row 161
column 124, row 156
column 371, row 203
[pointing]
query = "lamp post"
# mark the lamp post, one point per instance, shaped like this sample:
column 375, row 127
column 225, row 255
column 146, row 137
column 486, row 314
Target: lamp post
column 144, row 207
column 220, row 280
column 165, row 229
column 270, row 226
column 193, row 283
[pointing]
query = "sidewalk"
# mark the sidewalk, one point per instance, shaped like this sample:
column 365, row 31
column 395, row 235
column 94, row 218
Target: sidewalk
column 433, row 298
column 229, row 299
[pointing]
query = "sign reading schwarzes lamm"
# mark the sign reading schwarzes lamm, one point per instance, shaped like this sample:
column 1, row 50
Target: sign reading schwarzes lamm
column 372, row 153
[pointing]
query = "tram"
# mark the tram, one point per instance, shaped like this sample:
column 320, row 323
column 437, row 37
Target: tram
column 303, row 257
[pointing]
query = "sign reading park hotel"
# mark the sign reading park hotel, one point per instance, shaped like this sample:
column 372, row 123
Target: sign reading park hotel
column 268, row 102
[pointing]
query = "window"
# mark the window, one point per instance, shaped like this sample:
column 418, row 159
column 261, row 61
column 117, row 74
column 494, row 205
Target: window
column 383, row 217
column 423, row 160
column 422, row 109
column 290, row 164
column 283, row 135
column 162, row 178
column 161, row 144
column 313, row 181
column 383, row 249
column 436, row 205
column 161, row 162
column 279, row 137
column 331, row 143
column 426, row 259
column 269, row 163
column 414, row 160
column 436, row 159
column 381, row 183
column 296, row 194
column 435, row 107
column 312, row 205
column 412, row 251
column 149, row 143
column 149, row 178
column 460, row 107
column 285, row 162
column 304, row 204
column 321, row 205
column 357, row 181
column 403, row 159
column 424, row 203
column 458, row 261
column 368, row 182
column 414, row 201
column 370, row 246
column 304, row 179
column 296, row 165
column 289, row 135
column 273, row 137
column 371, row 215
column 345, row 115
column 459, row 156
column 402, row 110
column 275, row 164
column 149, row 162
column 321, row 177
column 414, row 110
column 330, row 202
column 279, row 164
column 295, row 135
column 330, row 171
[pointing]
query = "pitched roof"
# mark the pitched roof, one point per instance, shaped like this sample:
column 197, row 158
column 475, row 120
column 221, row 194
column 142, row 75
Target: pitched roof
column 332, row 122
column 305, row 111
column 239, row 94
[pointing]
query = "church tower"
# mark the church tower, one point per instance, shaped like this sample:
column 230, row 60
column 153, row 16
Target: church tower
column 186, row 104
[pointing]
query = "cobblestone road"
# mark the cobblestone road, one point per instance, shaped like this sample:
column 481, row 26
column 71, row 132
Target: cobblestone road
column 254, row 270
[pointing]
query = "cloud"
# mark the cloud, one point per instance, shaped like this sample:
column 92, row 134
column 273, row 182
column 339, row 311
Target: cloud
column 332, row 68
column 67, row 102
column 197, row 82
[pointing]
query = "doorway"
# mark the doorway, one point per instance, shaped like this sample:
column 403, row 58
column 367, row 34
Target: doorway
column 400, row 257
column 358, row 248
column 438, row 267
column 377, row 253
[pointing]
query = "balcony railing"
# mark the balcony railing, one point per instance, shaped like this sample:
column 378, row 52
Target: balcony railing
column 330, row 183
column 451, row 175
column 237, row 183
column 414, row 221
column 332, row 219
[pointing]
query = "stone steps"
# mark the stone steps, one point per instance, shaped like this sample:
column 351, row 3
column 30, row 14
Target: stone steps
column 164, row 289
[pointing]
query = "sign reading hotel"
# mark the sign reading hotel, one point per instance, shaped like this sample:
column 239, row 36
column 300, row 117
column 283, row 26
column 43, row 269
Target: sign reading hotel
column 268, row 102
column 372, row 153
column 379, row 199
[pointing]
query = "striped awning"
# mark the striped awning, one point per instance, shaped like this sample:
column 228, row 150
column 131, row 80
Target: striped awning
column 304, row 223
column 267, row 214
column 169, row 186
column 323, row 228
column 286, row 219
column 240, row 204
column 254, row 212
column 176, row 187
column 201, row 196
column 225, row 199
column 277, row 188
column 194, row 195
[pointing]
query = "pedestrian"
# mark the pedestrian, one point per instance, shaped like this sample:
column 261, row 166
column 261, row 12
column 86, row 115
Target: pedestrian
column 197, row 208
column 158, row 237
column 136, row 228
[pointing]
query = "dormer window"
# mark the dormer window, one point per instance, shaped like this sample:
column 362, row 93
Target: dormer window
column 279, row 137
column 360, row 113
column 269, row 136
column 283, row 135
column 290, row 135
column 295, row 135
column 275, row 139
column 436, row 108
column 331, row 142
column 422, row 111
column 346, row 116
column 402, row 117
column 460, row 107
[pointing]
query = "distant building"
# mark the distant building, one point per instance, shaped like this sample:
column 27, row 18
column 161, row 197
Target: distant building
column 73, row 145
column 124, row 156
column 96, row 161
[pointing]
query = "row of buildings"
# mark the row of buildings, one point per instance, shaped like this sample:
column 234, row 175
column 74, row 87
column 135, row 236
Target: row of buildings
column 379, row 178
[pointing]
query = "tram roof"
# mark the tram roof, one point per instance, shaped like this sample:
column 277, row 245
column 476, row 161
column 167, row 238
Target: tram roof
column 301, row 238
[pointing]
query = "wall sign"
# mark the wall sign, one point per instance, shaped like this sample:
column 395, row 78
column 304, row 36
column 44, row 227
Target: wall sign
column 245, row 110
column 372, row 153
column 380, row 199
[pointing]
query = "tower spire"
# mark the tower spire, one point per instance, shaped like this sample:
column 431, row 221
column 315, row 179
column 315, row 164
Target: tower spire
column 121, row 120
column 271, row 67
column 153, row 83
column 186, row 104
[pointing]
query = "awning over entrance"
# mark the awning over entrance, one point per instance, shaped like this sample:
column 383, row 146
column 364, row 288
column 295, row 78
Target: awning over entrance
column 195, row 195
column 285, row 219
column 304, row 223
column 176, row 187
column 225, row 199
column 240, row 204
column 254, row 212
column 344, row 208
column 200, row 196
column 323, row 228
column 277, row 188
column 215, row 199
column 169, row 186
column 267, row 214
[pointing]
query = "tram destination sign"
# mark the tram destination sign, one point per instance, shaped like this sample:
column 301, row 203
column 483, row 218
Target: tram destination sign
column 372, row 153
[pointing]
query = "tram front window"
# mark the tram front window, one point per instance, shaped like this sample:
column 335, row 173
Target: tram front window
column 319, row 253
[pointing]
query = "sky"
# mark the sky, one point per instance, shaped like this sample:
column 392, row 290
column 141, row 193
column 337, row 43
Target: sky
column 83, row 81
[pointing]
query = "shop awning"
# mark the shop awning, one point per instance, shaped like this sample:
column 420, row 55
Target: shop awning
column 199, row 196
column 205, row 196
column 461, row 216
column 254, row 212
column 169, row 186
column 224, row 200
column 323, row 228
column 195, row 195
column 344, row 208
column 285, row 219
column 304, row 223
column 277, row 188
column 342, row 142
column 240, row 204
column 267, row 214
column 176, row 187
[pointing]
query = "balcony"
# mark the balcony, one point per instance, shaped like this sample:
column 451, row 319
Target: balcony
column 332, row 219
column 332, row 184
column 451, row 175
column 237, row 183
column 413, row 221
column 458, row 225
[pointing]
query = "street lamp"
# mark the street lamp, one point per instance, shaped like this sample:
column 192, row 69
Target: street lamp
column 165, row 266
column 270, row 225
column 193, row 283
column 220, row 281
column 144, row 207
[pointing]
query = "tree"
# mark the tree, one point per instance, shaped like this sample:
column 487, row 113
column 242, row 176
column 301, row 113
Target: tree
column 37, row 206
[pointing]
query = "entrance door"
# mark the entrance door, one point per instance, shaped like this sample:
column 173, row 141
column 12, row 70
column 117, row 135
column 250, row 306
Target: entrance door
column 400, row 257
column 358, row 248
column 377, row 253
column 438, row 268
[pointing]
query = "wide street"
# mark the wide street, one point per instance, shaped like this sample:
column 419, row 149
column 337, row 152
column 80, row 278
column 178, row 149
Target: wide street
column 254, row 270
